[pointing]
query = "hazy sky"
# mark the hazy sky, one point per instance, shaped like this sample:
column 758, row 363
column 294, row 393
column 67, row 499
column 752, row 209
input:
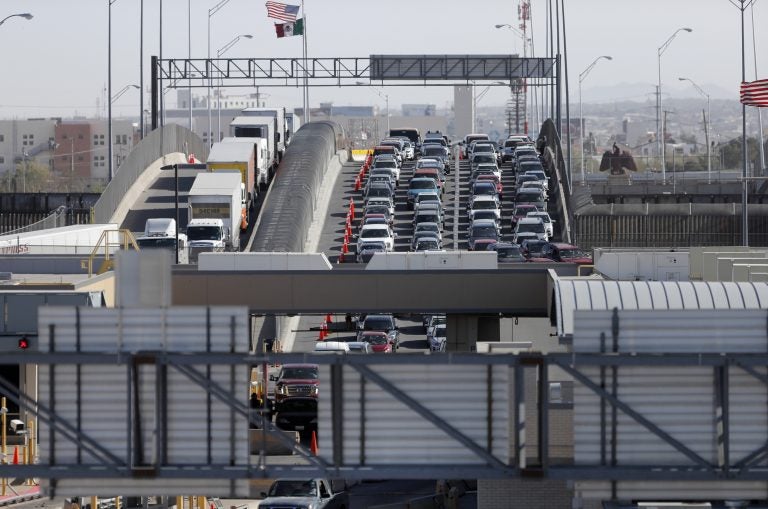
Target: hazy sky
column 56, row 63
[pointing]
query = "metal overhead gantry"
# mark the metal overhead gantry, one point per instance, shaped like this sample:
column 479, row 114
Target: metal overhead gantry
column 397, row 70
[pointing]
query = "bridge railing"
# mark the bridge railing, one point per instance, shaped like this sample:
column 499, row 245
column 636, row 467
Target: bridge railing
column 559, row 185
column 166, row 140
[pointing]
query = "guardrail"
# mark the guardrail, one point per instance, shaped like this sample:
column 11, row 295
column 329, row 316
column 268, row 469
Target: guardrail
column 166, row 140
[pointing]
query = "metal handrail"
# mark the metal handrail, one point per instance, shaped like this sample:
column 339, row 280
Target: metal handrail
column 125, row 241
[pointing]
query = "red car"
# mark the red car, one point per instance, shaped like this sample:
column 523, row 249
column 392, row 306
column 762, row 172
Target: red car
column 379, row 341
column 567, row 253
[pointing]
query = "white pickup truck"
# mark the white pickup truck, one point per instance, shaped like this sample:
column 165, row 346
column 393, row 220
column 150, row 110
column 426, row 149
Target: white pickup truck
column 304, row 494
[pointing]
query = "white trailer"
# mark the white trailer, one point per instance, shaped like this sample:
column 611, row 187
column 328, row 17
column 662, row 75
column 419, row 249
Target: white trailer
column 257, row 127
column 215, row 213
column 277, row 117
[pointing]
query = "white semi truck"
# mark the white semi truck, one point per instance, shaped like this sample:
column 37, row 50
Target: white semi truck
column 160, row 233
column 276, row 116
column 215, row 213
column 258, row 127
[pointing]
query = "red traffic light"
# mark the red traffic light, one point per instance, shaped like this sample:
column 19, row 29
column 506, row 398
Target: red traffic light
column 23, row 343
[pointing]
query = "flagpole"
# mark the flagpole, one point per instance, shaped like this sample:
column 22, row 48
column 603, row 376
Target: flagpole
column 306, row 72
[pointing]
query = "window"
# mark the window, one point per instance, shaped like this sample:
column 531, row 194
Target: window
column 2, row 138
column 2, row 160
column 80, row 136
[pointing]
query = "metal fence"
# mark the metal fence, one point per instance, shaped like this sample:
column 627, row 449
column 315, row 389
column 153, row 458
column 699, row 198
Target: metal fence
column 166, row 140
column 20, row 222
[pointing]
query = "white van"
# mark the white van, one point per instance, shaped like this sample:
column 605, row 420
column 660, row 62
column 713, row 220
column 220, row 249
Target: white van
column 331, row 347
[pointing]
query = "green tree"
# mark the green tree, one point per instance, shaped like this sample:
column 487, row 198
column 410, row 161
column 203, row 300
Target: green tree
column 31, row 177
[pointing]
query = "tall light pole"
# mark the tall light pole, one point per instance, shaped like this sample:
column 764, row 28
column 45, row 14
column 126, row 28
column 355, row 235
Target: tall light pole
column 213, row 10
column 110, row 168
column 123, row 90
column 380, row 94
column 583, row 76
column 659, row 121
column 706, row 127
column 220, row 52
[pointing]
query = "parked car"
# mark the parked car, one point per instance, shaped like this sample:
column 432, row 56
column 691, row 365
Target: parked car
column 304, row 493
column 297, row 414
column 532, row 249
column 380, row 322
column 296, row 380
column 435, row 244
column 548, row 222
column 368, row 249
column 428, row 244
column 420, row 185
column 376, row 233
column 427, row 228
column 507, row 252
column 530, row 225
column 379, row 341
column 561, row 252
column 437, row 338
column 484, row 202
column 484, row 229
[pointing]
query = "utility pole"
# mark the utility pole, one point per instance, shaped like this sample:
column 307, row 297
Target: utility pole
column 71, row 161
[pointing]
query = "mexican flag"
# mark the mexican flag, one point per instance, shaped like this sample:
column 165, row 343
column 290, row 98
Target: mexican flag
column 290, row 28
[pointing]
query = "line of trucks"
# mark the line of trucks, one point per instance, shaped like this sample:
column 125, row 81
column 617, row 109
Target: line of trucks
column 221, row 201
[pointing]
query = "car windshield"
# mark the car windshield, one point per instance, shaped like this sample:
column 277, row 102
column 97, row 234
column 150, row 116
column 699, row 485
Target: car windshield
column 380, row 192
column 484, row 232
column 482, row 149
column 439, row 332
column 379, row 178
column 293, row 489
column 422, row 184
column 384, row 163
column 534, row 248
column 428, row 198
column 543, row 217
column 374, row 233
column 377, row 323
column 522, row 211
column 484, row 205
column 484, row 188
column 530, row 228
column 300, row 372
column 424, row 244
column 483, row 158
column 375, row 339
column 508, row 252
column 428, row 163
column 427, row 218
column 373, row 246
column 426, row 227
column 203, row 233
column 484, row 214
column 433, row 151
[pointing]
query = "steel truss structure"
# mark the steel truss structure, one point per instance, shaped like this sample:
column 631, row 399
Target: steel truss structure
column 526, row 459
column 439, row 70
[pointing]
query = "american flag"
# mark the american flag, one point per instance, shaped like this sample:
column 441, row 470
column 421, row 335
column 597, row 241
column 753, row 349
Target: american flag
column 283, row 12
column 755, row 93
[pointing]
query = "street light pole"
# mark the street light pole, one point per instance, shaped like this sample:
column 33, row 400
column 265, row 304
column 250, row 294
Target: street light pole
column 659, row 122
column 24, row 15
column 706, row 127
column 219, row 53
column 582, row 77
column 213, row 10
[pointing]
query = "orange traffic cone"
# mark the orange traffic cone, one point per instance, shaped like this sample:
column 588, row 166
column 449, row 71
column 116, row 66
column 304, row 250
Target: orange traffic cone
column 191, row 158
column 16, row 455
column 352, row 208
column 357, row 184
column 321, row 334
column 313, row 444
column 328, row 318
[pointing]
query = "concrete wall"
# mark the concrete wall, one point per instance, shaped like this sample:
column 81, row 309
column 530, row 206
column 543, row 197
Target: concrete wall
column 523, row 494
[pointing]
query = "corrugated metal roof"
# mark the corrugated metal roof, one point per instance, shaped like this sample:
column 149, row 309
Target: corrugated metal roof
column 594, row 294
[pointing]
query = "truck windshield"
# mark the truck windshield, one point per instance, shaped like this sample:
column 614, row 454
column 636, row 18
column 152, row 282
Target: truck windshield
column 157, row 243
column 293, row 489
column 204, row 233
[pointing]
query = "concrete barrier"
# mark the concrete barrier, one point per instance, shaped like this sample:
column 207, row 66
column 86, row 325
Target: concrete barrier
column 272, row 444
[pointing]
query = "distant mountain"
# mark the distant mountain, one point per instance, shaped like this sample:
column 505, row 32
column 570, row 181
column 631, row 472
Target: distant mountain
column 641, row 92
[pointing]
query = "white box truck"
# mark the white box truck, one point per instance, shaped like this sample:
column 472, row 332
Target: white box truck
column 261, row 157
column 277, row 117
column 160, row 233
column 257, row 127
column 237, row 158
column 215, row 213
